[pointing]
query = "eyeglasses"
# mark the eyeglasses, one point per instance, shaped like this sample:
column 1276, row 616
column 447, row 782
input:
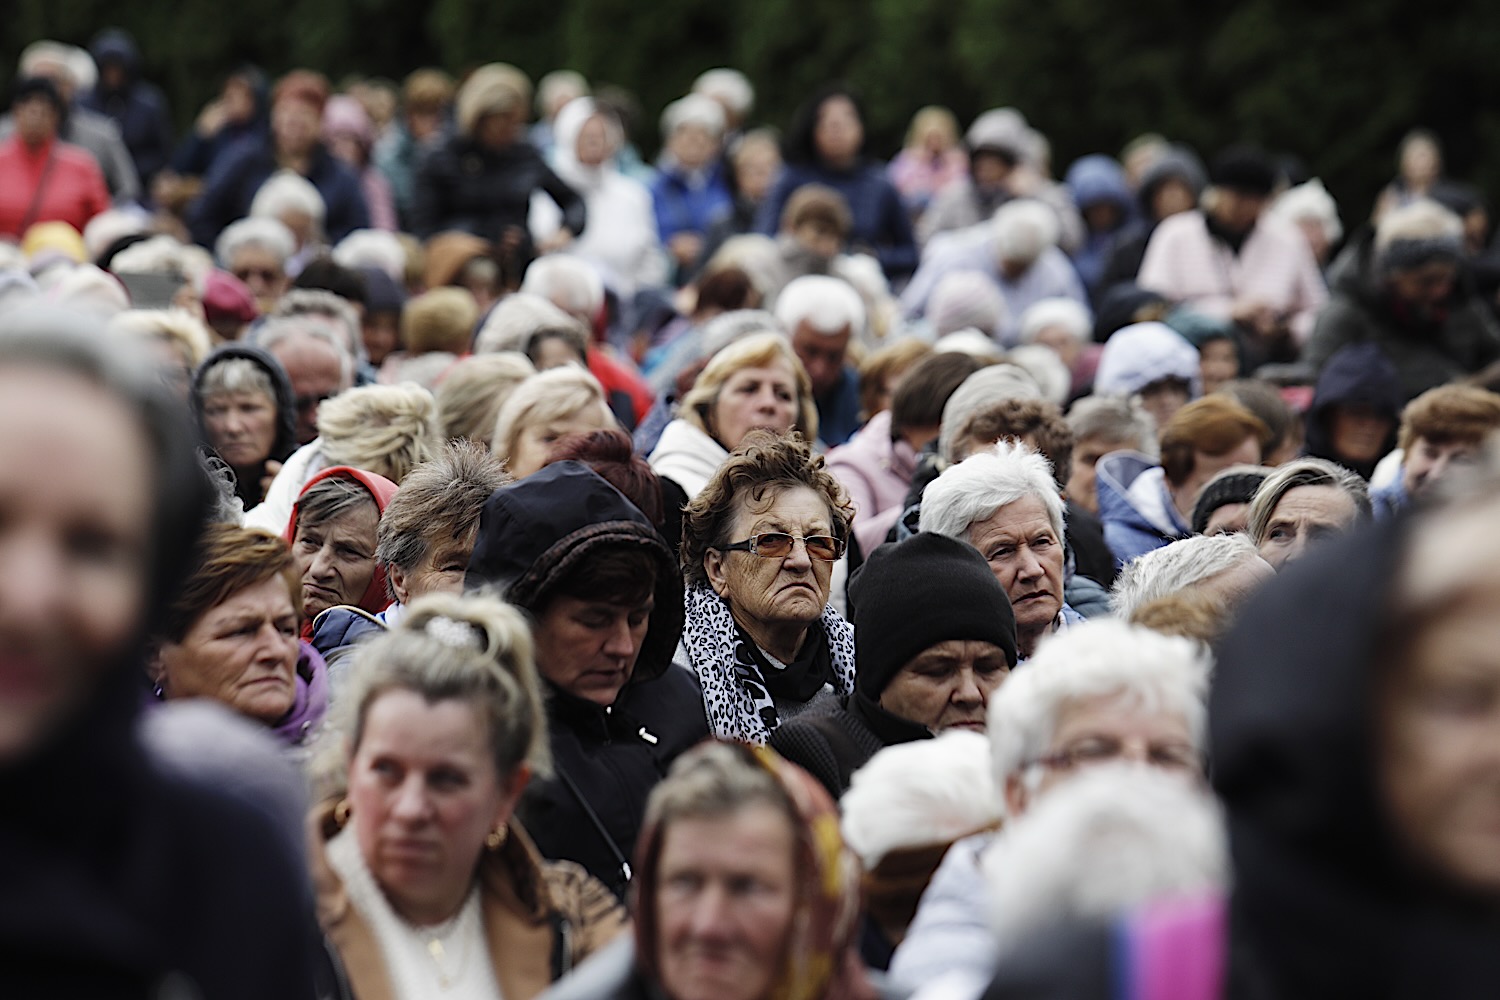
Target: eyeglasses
column 1167, row 756
column 778, row 545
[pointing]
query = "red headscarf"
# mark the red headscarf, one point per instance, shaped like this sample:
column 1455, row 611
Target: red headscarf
column 821, row 960
column 375, row 597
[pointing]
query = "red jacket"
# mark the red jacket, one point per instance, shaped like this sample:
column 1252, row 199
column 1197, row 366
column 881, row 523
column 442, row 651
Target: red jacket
column 73, row 190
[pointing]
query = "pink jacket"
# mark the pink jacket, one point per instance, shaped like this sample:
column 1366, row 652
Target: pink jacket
column 876, row 472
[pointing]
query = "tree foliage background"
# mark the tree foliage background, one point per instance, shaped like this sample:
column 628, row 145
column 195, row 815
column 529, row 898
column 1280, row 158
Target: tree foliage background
column 1334, row 84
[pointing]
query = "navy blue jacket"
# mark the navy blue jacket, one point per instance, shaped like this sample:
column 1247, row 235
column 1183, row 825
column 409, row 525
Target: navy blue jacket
column 241, row 170
column 881, row 225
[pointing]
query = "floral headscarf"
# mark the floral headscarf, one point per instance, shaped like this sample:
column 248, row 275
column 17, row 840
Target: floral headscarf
column 821, row 960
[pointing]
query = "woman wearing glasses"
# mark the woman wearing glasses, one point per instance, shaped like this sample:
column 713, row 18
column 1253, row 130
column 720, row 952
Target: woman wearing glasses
column 758, row 548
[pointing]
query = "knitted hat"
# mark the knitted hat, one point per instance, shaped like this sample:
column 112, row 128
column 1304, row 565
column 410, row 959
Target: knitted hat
column 495, row 87
column 1233, row 485
column 912, row 595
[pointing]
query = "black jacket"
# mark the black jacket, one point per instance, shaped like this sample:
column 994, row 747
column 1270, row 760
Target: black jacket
column 832, row 745
column 464, row 186
column 247, row 487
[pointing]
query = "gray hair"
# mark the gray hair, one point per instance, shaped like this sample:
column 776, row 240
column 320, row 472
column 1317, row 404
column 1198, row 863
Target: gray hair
column 981, row 390
column 1176, row 567
column 1101, row 658
column 284, row 191
column 330, row 499
column 694, row 109
column 1113, row 418
column 728, row 86
column 567, row 282
column 1071, row 315
column 984, row 482
column 265, row 234
column 441, row 498
column 824, row 303
column 1304, row 472
column 1024, row 229
column 325, row 305
column 235, row 375
column 513, row 321
column 283, row 328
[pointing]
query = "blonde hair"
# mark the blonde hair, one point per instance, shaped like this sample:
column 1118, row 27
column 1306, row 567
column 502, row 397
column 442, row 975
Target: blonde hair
column 385, row 429
column 555, row 394
column 176, row 327
column 470, row 398
column 759, row 350
column 441, row 319
column 474, row 649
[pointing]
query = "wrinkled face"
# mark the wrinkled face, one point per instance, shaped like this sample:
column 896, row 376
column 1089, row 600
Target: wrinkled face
column 1107, row 729
column 589, row 648
column 336, row 559
column 1232, row 586
column 1424, row 288
column 592, row 147
column 1359, row 431
column 36, row 120
column 1218, row 362
column 1228, row 519
column 726, row 892
column 75, row 507
column 263, row 273
column 1306, row 514
column 774, row 592
column 838, row 134
column 821, row 354
column 441, row 570
column 1082, row 485
column 316, row 373
column 1026, row 556
column 755, row 397
column 948, row 685
column 423, row 795
column 1427, row 461
column 295, row 125
column 693, row 146
column 241, row 652
column 241, row 426
column 381, row 332
column 535, row 441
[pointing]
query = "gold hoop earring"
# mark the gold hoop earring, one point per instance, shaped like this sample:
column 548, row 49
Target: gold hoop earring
column 341, row 812
column 496, row 837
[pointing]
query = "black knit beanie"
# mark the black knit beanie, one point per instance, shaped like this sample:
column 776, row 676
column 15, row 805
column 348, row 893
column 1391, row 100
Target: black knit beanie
column 914, row 594
column 1237, row 488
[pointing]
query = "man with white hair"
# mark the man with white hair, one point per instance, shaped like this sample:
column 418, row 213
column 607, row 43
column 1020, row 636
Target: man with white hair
column 822, row 315
column 1226, row 568
column 1105, row 692
column 91, row 130
column 317, row 361
column 1006, row 504
column 256, row 251
column 1017, row 249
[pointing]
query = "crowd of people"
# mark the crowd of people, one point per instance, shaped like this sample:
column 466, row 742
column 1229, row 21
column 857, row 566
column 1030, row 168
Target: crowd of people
column 445, row 555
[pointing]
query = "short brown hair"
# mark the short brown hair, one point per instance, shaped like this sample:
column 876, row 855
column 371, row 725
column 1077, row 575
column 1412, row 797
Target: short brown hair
column 439, row 499
column 1214, row 425
column 817, row 205
column 1450, row 414
column 891, row 360
column 1038, row 422
column 764, row 463
column 440, row 319
column 230, row 558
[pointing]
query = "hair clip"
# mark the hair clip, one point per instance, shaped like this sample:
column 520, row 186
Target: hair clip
column 451, row 632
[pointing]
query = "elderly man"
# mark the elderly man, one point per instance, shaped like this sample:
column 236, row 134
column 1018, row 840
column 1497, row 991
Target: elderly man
column 822, row 315
column 1302, row 503
column 1224, row 568
column 933, row 639
column 256, row 252
column 1232, row 261
column 1404, row 290
column 317, row 360
column 1006, row 504
column 1017, row 249
column 1103, row 692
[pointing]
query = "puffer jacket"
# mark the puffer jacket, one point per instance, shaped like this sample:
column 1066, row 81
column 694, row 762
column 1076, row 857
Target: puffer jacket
column 1135, row 507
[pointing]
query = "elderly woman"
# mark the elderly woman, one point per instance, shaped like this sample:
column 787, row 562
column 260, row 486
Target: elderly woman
column 757, row 382
column 1303, row 502
column 256, row 251
column 245, row 407
column 423, row 543
column 1006, row 504
column 470, row 397
column 426, row 884
column 482, row 178
column 758, row 548
column 544, row 409
column 1103, row 693
column 231, row 635
column 747, row 890
column 332, row 532
column 104, row 508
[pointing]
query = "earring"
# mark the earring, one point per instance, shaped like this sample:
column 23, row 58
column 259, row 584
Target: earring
column 496, row 837
column 341, row 812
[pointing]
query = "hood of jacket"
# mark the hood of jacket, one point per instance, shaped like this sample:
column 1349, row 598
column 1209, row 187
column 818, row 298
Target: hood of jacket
column 118, row 45
column 534, row 532
column 1177, row 163
column 1143, row 353
column 1098, row 178
column 1357, row 374
column 281, row 386
column 376, row 597
column 1323, row 895
column 1132, row 491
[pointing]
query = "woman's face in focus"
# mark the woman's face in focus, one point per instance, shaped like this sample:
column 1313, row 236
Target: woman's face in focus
column 76, row 497
column 424, row 793
column 752, row 398
column 726, row 892
column 769, row 591
column 838, row 134
column 336, row 558
column 241, row 652
column 241, row 426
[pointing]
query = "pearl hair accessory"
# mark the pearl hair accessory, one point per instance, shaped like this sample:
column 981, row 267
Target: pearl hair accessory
column 451, row 632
